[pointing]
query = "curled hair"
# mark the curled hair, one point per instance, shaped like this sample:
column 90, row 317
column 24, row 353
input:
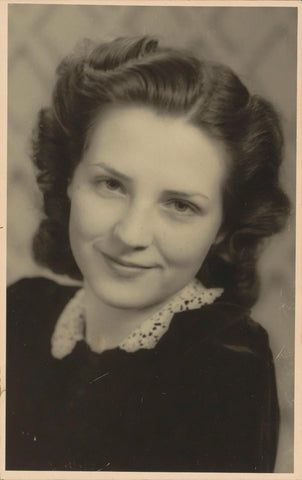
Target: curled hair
column 172, row 82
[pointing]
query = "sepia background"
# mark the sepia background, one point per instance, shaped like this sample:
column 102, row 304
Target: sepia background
column 259, row 43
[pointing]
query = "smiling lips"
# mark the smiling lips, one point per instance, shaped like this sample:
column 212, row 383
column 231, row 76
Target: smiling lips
column 122, row 266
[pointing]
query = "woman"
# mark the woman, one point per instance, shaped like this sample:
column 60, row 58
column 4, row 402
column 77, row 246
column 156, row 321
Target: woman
column 159, row 174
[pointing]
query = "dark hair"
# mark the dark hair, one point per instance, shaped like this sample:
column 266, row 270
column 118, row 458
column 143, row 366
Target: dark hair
column 211, row 96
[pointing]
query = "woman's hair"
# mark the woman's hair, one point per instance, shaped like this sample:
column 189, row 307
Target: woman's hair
column 211, row 97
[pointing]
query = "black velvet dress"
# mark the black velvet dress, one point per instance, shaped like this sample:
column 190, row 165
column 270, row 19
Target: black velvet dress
column 204, row 399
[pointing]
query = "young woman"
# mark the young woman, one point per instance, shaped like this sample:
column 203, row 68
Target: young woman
column 159, row 174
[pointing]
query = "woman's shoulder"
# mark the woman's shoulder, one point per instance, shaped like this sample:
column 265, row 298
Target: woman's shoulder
column 225, row 326
column 31, row 288
column 32, row 300
column 238, row 331
column 219, row 353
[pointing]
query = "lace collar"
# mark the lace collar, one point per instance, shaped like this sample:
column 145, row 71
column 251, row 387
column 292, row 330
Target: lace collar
column 70, row 327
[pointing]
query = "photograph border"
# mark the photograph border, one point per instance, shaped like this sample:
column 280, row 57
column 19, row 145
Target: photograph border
column 48, row 475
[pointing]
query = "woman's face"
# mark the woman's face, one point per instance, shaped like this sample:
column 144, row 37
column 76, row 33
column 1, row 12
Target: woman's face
column 146, row 206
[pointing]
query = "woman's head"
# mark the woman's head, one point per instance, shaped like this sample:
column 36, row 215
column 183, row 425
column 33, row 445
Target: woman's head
column 145, row 207
column 166, row 89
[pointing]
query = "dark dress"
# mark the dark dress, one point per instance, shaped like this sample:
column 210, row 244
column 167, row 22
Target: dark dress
column 204, row 399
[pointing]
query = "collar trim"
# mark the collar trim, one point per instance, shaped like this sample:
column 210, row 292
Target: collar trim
column 70, row 327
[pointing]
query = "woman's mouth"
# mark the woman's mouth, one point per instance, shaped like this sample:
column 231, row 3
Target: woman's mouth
column 126, row 268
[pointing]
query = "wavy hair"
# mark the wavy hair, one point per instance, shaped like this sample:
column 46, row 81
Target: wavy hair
column 172, row 82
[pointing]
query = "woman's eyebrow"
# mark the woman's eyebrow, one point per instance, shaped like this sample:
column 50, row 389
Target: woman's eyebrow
column 111, row 170
column 178, row 193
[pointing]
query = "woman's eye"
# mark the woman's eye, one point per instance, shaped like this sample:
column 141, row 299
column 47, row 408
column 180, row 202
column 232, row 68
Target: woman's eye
column 112, row 184
column 108, row 185
column 182, row 207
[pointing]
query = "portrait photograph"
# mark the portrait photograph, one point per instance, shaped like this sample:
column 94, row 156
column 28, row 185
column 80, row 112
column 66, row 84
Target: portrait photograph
column 150, row 318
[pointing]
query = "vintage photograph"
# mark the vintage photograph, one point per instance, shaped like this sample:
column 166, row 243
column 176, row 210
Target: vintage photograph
column 151, row 173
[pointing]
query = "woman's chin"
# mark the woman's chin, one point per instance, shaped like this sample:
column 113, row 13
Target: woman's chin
column 127, row 297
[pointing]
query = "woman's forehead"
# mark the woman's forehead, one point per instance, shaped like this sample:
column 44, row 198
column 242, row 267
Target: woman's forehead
column 135, row 129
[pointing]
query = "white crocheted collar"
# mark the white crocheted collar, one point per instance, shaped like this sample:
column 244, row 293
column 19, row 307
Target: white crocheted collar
column 70, row 327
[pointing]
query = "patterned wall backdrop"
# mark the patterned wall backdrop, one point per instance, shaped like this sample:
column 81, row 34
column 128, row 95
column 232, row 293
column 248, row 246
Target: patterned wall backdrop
column 258, row 43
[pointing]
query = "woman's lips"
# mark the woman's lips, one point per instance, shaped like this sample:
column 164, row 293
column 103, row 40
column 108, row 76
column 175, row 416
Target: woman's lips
column 124, row 263
column 124, row 267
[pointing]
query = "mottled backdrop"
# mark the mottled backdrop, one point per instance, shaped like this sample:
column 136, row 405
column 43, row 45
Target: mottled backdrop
column 259, row 43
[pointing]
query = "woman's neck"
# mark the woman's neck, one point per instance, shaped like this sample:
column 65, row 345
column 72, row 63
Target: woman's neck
column 107, row 326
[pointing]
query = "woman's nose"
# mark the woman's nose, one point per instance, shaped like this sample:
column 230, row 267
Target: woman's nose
column 134, row 228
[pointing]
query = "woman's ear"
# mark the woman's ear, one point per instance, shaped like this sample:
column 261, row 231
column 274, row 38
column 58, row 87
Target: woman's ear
column 220, row 247
column 219, row 237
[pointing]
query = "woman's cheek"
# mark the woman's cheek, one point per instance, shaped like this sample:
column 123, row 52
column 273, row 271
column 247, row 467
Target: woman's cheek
column 188, row 244
column 93, row 216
